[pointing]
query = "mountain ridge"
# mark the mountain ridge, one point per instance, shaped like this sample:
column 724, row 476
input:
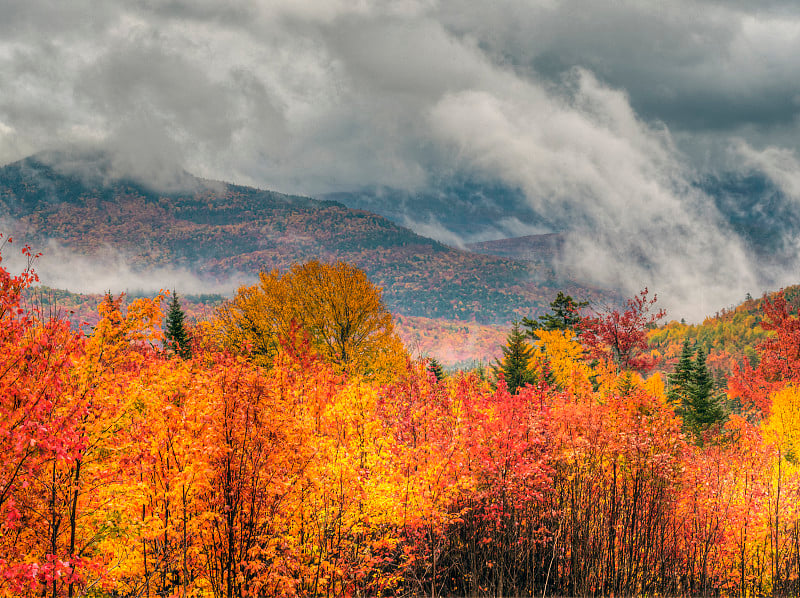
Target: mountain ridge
column 214, row 229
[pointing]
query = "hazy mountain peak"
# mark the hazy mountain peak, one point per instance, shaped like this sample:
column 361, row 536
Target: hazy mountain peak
column 101, row 167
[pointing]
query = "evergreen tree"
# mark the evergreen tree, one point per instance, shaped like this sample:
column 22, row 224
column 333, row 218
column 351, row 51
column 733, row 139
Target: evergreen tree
column 175, row 334
column 703, row 410
column 692, row 392
column 564, row 315
column 680, row 381
column 480, row 370
column 435, row 368
column 515, row 364
column 703, row 381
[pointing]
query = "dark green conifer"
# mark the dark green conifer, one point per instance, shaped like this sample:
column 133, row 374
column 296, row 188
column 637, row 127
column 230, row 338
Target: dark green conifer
column 691, row 390
column 175, row 335
column 680, row 381
column 703, row 410
column 480, row 370
column 565, row 315
column 435, row 368
column 515, row 364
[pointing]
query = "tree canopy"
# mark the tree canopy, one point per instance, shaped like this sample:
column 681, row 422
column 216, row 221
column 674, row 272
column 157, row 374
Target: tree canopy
column 176, row 337
column 564, row 315
column 127, row 472
column 621, row 337
column 334, row 304
column 516, row 362
column 692, row 392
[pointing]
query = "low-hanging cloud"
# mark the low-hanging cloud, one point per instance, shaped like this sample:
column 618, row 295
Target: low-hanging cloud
column 779, row 164
column 602, row 113
column 616, row 185
column 111, row 269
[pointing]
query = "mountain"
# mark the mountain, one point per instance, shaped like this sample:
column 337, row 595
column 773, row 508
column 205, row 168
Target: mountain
column 470, row 211
column 545, row 248
column 457, row 210
column 214, row 229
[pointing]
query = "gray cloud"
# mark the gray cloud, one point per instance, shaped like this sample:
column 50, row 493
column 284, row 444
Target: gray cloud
column 710, row 65
column 603, row 113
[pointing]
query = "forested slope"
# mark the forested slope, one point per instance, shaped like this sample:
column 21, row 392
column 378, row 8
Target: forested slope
column 216, row 230
column 731, row 336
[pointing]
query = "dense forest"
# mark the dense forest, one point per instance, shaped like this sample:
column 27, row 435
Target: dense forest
column 146, row 456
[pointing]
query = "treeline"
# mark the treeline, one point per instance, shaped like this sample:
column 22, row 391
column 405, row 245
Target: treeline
column 729, row 338
column 132, row 468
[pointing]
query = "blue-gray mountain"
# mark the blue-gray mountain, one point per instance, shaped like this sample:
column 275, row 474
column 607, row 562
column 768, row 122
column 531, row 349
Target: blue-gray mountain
column 491, row 217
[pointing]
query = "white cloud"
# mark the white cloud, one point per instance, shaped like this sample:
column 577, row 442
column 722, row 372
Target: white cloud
column 615, row 183
column 110, row 269
column 434, row 229
column 780, row 164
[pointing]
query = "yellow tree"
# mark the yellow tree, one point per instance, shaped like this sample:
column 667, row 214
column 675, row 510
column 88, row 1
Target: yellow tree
column 335, row 304
column 782, row 431
column 561, row 354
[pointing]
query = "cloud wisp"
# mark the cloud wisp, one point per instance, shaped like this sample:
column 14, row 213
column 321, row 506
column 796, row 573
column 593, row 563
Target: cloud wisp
column 112, row 270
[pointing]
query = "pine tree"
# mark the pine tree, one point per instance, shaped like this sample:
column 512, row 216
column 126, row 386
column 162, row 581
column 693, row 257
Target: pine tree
column 515, row 364
column 703, row 410
column 435, row 368
column 480, row 370
column 564, row 315
column 692, row 392
column 175, row 334
column 680, row 381
column 703, row 381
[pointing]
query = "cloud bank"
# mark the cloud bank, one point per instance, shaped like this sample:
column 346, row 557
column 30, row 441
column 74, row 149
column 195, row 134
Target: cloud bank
column 603, row 113
column 112, row 270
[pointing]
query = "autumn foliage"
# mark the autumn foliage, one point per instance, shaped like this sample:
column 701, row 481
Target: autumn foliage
column 334, row 304
column 130, row 471
column 621, row 336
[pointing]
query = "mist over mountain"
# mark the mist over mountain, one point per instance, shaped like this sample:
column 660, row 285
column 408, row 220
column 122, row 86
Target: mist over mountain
column 471, row 211
column 760, row 212
column 99, row 233
column 120, row 230
column 456, row 211
column 747, row 211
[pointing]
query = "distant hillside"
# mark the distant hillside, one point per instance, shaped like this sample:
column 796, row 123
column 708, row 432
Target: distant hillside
column 80, row 309
column 214, row 229
column 731, row 336
column 532, row 248
column 452, row 343
column 452, row 208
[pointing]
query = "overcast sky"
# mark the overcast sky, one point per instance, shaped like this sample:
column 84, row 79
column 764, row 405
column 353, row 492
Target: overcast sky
column 602, row 112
